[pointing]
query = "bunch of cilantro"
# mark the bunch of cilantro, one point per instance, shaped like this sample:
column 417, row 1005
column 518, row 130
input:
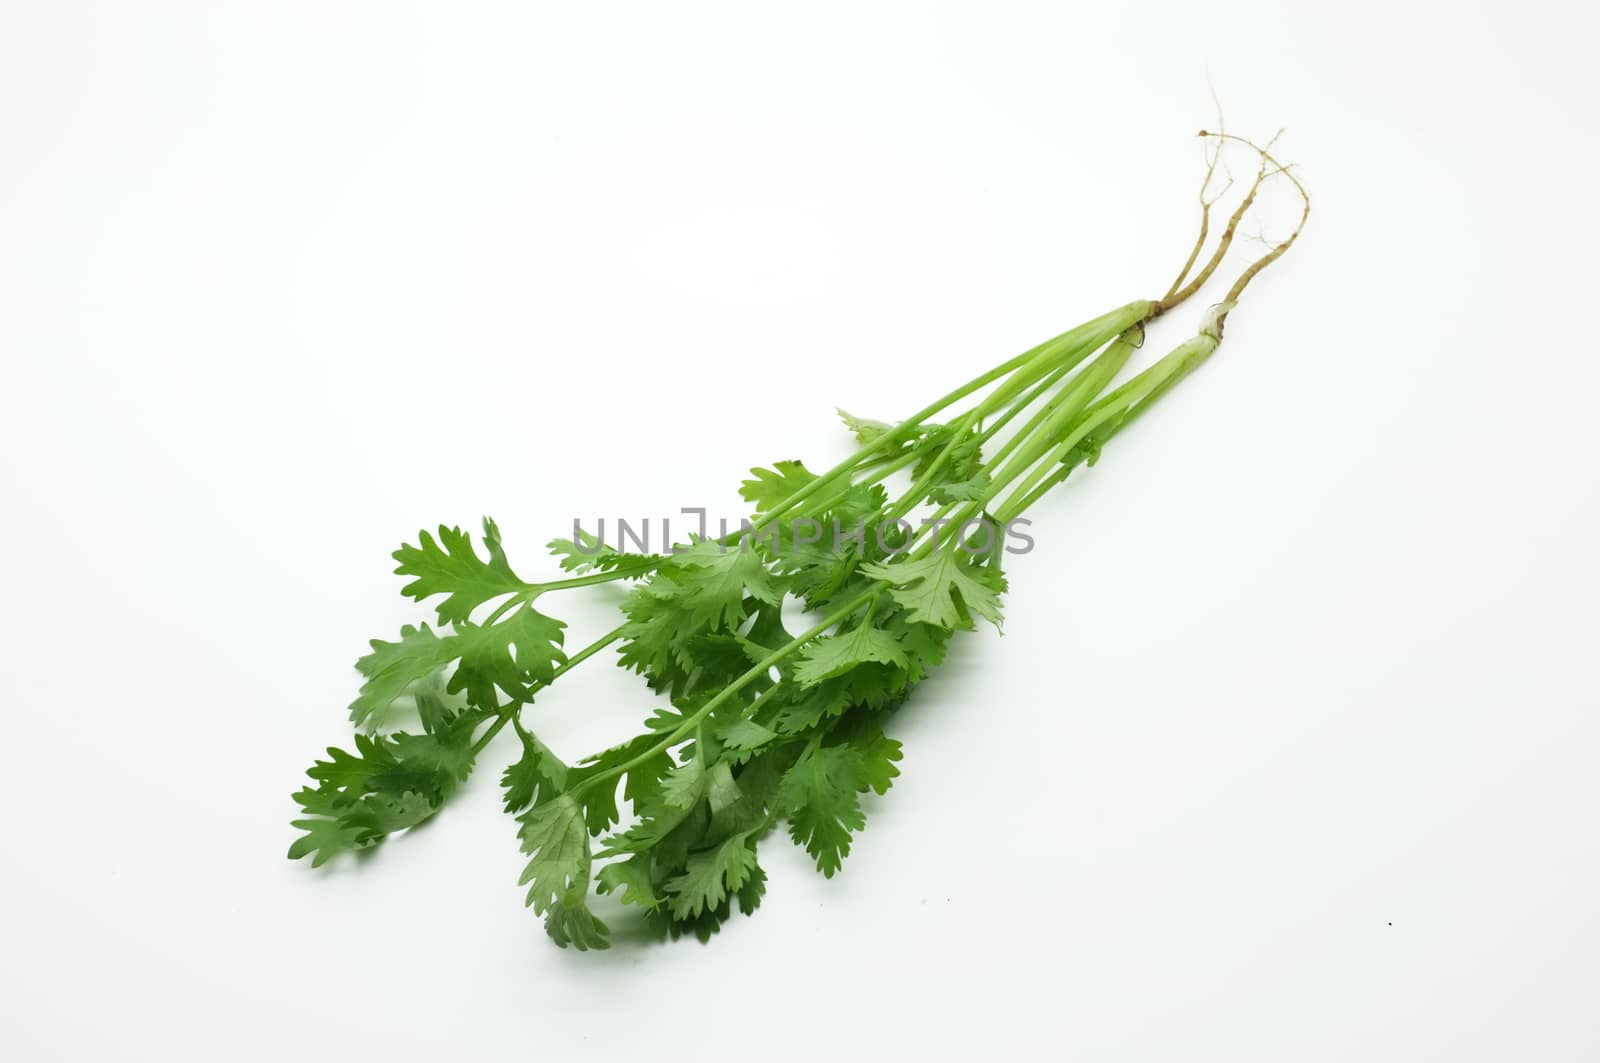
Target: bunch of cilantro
column 890, row 552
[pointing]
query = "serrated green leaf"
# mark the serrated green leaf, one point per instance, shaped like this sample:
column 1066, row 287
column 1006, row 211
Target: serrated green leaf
column 450, row 566
column 434, row 708
column 388, row 813
column 964, row 454
column 864, row 430
column 513, row 655
column 684, row 785
column 446, row 752
column 834, row 655
column 324, row 838
column 754, row 888
column 771, row 487
column 879, row 755
column 554, row 837
column 758, row 790
column 968, row 490
column 935, row 589
column 586, row 552
column 745, row 735
column 820, row 798
column 570, row 922
column 630, row 879
column 392, row 667
column 709, row 876
column 721, row 790
column 710, row 582
column 806, row 708
column 538, row 775
column 350, row 771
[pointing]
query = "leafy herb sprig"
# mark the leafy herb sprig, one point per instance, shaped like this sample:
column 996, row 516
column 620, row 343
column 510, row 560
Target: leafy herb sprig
column 765, row 725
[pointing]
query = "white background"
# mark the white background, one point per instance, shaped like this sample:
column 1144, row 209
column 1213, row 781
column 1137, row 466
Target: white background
column 1288, row 751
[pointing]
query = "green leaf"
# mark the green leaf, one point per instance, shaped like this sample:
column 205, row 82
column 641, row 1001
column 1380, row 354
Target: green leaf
column 925, row 644
column 570, row 922
column 685, row 784
column 964, row 459
column 758, row 783
column 865, row 431
column 446, row 752
column 383, row 814
column 539, row 775
column 655, row 634
column 587, row 552
column 669, row 618
column 771, row 487
column 710, row 875
column 450, row 566
column 351, row 771
column 969, row 490
column 337, row 821
column 754, row 888
column 805, row 708
column 717, row 659
column 642, row 780
column 819, row 796
column 512, row 655
column 630, row 878
column 521, row 650
column 834, row 655
column 1085, row 452
column 391, row 669
column 433, row 709
column 878, row 758
column 818, row 570
column 744, row 736
column 390, row 783
column 936, row 589
column 325, row 836
column 709, row 583
column 721, row 791
column 553, row 835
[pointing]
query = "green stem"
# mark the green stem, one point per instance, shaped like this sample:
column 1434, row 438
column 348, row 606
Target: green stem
column 1021, row 404
column 1038, row 432
column 588, row 651
column 1074, row 344
column 513, row 711
column 897, row 462
column 1117, row 409
column 1074, row 399
column 519, row 598
column 494, row 729
column 1047, row 414
column 1084, row 387
column 590, row 580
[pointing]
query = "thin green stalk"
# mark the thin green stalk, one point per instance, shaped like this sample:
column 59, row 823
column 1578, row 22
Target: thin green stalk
column 1085, row 387
column 494, row 729
column 531, row 591
column 1093, row 381
column 513, row 710
column 1001, row 399
column 1048, row 413
column 1156, row 380
column 592, row 579
column 997, row 424
column 1075, row 342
